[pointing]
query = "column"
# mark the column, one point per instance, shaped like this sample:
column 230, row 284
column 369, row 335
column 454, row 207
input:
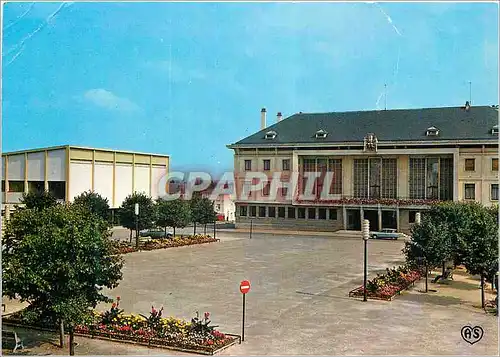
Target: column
column 397, row 219
column 362, row 215
column 344, row 216
column 379, row 217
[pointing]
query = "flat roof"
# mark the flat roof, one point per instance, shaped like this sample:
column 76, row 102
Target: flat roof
column 80, row 148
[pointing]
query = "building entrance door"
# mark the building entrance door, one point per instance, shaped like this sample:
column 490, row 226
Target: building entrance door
column 389, row 219
column 353, row 219
column 372, row 216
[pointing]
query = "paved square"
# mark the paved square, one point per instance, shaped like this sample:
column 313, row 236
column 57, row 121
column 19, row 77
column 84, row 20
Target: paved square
column 298, row 303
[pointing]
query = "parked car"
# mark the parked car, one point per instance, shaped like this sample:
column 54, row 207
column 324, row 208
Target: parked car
column 385, row 233
column 156, row 233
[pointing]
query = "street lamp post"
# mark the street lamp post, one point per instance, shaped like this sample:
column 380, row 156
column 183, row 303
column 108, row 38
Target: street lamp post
column 366, row 235
column 136, row 211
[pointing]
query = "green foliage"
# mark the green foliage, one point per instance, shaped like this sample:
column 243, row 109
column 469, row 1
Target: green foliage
column 430, row 241
column 207, row 212
column 38, row 200
column 173, row 213
column 154, row 318
column 113, row 314
column 59, row 260
column 147, row 211
column 466, row 232
column 94, row 203
column 202, row 326
column 196, row 208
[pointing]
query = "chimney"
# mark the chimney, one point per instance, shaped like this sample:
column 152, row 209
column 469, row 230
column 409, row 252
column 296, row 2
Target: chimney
column 263, row 119
column 279, row 117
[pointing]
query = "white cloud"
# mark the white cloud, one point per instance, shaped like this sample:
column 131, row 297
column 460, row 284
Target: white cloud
column 106, row 99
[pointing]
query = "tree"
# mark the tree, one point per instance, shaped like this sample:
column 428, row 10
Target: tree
column 147, row 213
column 196, row 209
column 480, row 244
column 95, row 203
column 173, row 213
column 38, row 200
column 59, row 263
column 208, row 214
column 429, row 242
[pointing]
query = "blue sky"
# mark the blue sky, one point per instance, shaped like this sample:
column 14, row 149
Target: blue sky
column 186, row 79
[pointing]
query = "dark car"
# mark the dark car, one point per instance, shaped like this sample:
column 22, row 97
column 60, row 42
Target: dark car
column 156, row 233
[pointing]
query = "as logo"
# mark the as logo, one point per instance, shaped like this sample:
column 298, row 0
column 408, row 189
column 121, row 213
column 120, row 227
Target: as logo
column 472, row 334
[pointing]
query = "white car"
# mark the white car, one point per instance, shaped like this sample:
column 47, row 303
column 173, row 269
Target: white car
column 385, row 233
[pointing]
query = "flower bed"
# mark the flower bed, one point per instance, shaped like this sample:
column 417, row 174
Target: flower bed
column 164, row 243
column 197, row 336
column 386, row 286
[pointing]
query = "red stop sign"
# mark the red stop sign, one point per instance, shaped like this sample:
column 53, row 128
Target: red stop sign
column 245, row 286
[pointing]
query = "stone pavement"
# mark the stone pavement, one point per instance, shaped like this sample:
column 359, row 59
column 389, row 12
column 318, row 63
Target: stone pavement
column 299, row 303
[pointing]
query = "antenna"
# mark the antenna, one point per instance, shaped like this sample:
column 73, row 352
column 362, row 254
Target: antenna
column 385, row 96
column 470, row 92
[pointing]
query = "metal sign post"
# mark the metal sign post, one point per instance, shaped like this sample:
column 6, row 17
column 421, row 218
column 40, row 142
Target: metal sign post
column 244, row 288
column 366, row 235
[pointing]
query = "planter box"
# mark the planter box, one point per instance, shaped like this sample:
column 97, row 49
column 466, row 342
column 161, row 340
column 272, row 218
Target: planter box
column 131, row 339
column 358, row 292
column 172, row 245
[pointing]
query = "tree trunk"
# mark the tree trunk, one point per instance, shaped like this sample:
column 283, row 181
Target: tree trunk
column 482, row 290
column 205, row 230
column 61, row 333
column 443, row 268
column 71, row 342
column 426, row 277
column 130, row 236
column 174, row 232
column 194, row 232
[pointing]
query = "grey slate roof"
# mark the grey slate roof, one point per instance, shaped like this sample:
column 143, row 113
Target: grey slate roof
column 453, row 123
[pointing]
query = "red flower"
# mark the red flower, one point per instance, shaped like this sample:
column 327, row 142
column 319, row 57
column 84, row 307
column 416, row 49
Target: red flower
column 117, row 298
column 113, row 306
column 207, row 315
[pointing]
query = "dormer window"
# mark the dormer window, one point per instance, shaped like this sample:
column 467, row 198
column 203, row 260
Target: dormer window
column 321, row 134
column 432, row 131
column 494, row 130
column 271, row 134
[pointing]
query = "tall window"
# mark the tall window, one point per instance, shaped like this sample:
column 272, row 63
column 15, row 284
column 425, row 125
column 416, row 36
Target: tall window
column 267, row 165
column 335, row 166
column 494, row 191
column 309, row 165
column 470, row 191
column 375, row 170
column 361, row 178
column 470, row 164
column 248, row 165
column 301, row 212
column 291, row 212
column 494, row 164
column 286, row 164
column 311, row 213
column 432, row 178
column 322, row 213
column 36, row 186
column 266, row 189
column 389, row 178
column 271, row 211
column 262, row 211
column 281, row 212
column 446, row 179
column 417, row 178
column 333, row 214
